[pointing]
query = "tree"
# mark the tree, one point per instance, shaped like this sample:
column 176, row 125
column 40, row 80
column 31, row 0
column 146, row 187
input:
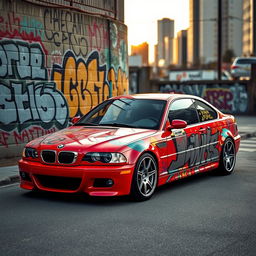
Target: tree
column 228, row 56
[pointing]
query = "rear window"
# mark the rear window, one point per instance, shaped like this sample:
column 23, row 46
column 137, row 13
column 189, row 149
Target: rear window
column 246, row 61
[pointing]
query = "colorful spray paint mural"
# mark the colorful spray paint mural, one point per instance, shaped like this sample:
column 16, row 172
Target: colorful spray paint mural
column 54, row 65
column 229, row 97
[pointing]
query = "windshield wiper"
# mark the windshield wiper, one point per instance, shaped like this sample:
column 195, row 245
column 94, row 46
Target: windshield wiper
column 86, row 124
column 119, row 124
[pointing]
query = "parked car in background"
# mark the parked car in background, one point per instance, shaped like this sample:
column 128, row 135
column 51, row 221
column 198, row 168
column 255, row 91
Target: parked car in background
column 241, row 67
column 131, row 145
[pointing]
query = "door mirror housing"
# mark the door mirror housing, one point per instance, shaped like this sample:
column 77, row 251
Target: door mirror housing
column 177, row 124
column 75, row 119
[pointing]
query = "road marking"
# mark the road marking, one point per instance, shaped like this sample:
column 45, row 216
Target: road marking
column 248, row 145
column 248, row 141
column 9, row 185
column 248, row 149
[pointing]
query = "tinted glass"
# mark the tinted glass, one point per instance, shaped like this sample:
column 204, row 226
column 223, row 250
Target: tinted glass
column 183, row 109
column 205, row 112
column 126, row 112
column 246, row 61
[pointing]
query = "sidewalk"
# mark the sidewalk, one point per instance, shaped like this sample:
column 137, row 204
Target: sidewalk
column 9, row 171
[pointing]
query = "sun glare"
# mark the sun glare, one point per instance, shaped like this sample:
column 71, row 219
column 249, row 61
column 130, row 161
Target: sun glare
column 141, row 18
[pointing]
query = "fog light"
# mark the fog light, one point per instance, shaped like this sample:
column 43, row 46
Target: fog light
column 103, row 183
column 109, row 183
column 25, row 176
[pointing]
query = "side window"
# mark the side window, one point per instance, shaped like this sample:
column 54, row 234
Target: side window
column 183, row 109
column 205, row 112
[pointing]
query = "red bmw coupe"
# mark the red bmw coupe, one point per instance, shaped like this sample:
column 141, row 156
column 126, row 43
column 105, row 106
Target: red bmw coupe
column 131, row 145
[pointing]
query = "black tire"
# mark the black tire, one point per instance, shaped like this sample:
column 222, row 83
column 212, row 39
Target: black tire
column 227, row 157
column 144, row 178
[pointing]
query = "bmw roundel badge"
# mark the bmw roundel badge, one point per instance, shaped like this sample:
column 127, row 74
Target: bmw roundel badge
column 60, row 146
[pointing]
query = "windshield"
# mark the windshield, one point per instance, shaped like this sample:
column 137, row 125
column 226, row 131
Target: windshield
column 126, row 112
column 246, row 61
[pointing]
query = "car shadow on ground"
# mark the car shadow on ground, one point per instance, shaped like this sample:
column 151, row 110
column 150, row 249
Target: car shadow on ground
column 188, row 181
column 83, row 198
column 76, row 198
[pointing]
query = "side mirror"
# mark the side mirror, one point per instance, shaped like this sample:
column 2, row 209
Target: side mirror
column 177, row 124
column 75, row 119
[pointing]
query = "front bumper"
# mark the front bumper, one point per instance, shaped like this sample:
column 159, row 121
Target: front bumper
column 37, row 173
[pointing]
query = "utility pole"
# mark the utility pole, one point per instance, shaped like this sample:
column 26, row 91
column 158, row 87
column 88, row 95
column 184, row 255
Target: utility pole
column 219, row 39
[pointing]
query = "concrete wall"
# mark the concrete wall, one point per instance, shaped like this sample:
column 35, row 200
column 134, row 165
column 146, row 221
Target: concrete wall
column 54, row 64
column 229, row 97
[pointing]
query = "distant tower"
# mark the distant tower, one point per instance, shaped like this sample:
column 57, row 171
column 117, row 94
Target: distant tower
column 232, row 31
column 193, row 33
column 165, row 41
column 202, row 43
column 142, row 50
column 181, row 48
column 249, row 28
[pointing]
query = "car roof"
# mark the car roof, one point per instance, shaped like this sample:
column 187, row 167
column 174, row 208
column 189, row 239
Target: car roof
column 244, row 59
column 157, row 96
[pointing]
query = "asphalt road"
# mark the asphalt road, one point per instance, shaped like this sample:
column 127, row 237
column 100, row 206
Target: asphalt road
column 201, row 215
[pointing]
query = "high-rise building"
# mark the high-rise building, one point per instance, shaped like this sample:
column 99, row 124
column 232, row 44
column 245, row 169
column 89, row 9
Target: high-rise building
column 249, row 28
column 165, row 32
column 180, row 52
column 193, row 33
column 142, row 50
column 203, row 30
column 208, row 41
column 232, row 23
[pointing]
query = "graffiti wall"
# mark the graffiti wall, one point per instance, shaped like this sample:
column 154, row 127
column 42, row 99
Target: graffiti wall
column 228, row 97
column 54, row 64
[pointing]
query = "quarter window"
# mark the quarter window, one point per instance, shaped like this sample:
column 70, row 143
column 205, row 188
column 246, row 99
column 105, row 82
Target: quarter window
column 205, row 112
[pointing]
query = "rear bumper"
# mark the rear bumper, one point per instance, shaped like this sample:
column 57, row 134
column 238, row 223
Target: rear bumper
column 85, row 177
column 237, row 140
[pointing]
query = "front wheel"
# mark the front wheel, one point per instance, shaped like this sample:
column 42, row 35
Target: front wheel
column 144, row 178
column 228, row 157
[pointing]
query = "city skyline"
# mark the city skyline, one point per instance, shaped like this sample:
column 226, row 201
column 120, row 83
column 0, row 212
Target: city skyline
column 143, row 28
column 201, row 34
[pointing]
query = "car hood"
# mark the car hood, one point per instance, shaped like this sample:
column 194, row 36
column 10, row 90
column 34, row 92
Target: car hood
column 80, row 139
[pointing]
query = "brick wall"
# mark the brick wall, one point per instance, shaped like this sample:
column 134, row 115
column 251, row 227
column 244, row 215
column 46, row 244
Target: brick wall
column 54, row 64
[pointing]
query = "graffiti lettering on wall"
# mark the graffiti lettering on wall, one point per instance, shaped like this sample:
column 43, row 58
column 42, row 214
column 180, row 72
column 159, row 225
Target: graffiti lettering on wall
column 195, row 150
column 32, row 25
column 66, row 30
column 27, row 28
column 53, row 66
column 25, row 136
column 21, row 60
column 24, row 102
column 98, row 36
column 9, row 25
column 227, row 98
column 87, row 83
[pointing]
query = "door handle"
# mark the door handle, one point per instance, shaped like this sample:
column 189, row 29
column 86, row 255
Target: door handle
column 202, row 130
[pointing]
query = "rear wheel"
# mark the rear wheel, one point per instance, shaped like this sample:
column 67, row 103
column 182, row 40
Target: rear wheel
column 144, row 178
column 228, row 157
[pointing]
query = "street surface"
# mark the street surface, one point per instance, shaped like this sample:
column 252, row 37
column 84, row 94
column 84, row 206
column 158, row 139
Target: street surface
column 202, row 215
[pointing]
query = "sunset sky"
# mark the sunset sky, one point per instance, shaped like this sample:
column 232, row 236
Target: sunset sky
column 141, row 18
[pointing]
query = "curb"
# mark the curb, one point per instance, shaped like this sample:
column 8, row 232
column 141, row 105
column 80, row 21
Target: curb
column 9, row 180
column 16, row 178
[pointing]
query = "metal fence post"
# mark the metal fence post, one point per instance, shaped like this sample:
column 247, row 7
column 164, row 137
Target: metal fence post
column 252, row 90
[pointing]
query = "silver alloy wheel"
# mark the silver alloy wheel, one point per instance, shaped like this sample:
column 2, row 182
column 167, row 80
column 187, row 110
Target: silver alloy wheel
column 229, row 155
column 146, row 176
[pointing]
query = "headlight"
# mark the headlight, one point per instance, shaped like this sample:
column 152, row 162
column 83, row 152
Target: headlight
column 104, row 157
column 30, row 152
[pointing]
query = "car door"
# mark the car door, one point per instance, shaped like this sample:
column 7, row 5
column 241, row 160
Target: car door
column 182, row 143
column 208, row 133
